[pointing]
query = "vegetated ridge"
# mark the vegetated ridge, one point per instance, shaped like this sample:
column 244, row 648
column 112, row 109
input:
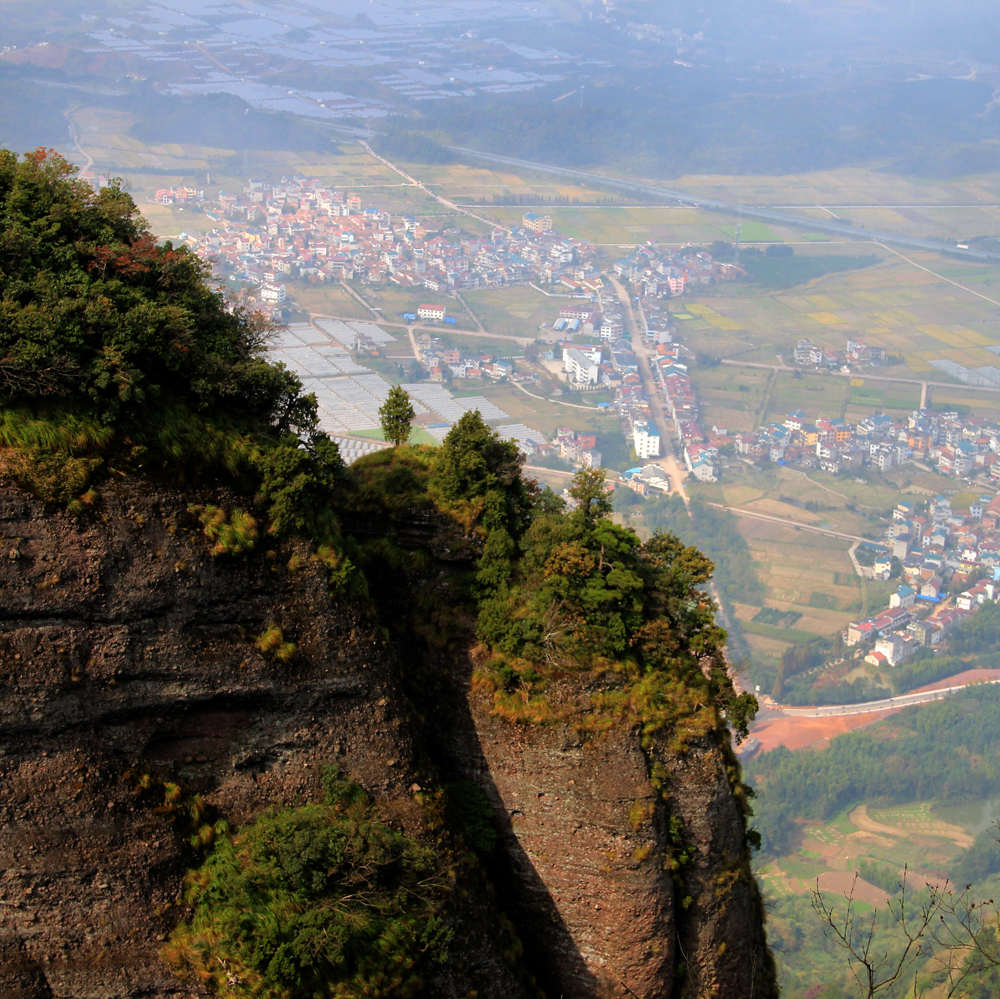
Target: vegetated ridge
column 273, row 727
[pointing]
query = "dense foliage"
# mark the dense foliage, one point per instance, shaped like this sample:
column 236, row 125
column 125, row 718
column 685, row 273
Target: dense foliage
column 116, row 353
column 948, row 751
column 562, row 588
column 313, row 902
column 979, row 634
column 715, row 533
column 779, row 267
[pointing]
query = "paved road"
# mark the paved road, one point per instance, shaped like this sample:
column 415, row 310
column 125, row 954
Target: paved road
column 785, row 522
column 751, row 211
column 841, row 710
column 660, row 419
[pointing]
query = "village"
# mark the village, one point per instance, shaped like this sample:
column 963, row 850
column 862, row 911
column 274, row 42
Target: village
column 299, row 229
column 938, row 554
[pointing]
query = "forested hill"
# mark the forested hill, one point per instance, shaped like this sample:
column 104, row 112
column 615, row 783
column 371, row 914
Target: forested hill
column 948, row 751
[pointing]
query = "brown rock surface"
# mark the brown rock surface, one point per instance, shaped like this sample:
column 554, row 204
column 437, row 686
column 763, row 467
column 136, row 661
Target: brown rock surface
column 126, row 648
column 589, row 840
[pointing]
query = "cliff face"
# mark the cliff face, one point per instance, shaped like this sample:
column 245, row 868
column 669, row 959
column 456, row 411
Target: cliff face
column 620, row 887
column 624, row 866
column 126, row 649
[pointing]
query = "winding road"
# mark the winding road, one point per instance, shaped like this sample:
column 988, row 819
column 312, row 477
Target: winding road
column 872, row 707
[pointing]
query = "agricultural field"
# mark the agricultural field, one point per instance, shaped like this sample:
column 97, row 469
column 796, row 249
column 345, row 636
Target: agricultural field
column 917, row 836
column 616, row 226
column 478, row 184
column 909, row 306
column 327, row 300
column 795, row 566
column 476, row 343
column 811, row 588
column 517, row 311
column 395, row 301
column 732, row 397
column 546, row 416
column 957, row 208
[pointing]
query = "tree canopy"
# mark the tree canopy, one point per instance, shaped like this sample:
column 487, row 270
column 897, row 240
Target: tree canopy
column 310, row 902
column 396, row 416
column 117, row 350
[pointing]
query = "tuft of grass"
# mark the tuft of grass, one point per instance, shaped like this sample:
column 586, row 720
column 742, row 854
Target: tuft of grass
column 232, row 535
column 272, row 644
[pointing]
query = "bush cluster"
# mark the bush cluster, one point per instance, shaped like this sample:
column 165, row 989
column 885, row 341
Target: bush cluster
column 313, row 902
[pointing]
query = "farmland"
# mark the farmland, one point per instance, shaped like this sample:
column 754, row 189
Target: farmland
column 807, row 576
column 515, row 311
column 881, row 843
column 918, row 315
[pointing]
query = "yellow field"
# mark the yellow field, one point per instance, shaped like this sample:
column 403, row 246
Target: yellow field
column 827, row 318
column 822, row 301
column 713, row 317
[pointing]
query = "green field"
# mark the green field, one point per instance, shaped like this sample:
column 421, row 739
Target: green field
column 752, row 232
column 914, row 313
column 518, row 311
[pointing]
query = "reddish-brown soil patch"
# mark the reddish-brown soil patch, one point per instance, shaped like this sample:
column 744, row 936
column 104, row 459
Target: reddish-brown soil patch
column 775, row 729
column 842, row 883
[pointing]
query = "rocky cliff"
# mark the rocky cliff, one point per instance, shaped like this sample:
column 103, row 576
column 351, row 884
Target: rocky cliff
column 127, row 649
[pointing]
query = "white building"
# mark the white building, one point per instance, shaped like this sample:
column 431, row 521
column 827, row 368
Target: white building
column 704, row 471
column 272, row 293
column 645, row 441
column 430, row 312
column 582, row 366
column 903, row 597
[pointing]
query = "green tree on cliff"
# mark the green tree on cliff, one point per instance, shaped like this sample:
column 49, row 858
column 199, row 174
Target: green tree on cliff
column 396, row 416
column 117, row 352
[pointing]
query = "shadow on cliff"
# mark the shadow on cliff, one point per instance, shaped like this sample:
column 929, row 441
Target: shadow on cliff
column 431, row 642
column 551, row 954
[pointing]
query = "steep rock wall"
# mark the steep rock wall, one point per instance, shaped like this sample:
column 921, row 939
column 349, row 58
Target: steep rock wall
column 125, row 648
column 595, row 885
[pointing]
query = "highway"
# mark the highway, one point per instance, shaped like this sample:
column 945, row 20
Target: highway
column 870, row 707
column 750, row 211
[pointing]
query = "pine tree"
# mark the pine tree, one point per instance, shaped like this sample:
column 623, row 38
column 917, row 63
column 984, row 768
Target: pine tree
column 396, row 415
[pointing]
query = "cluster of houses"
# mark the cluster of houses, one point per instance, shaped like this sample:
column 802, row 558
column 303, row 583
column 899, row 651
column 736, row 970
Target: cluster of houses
column 299, row 228
column 443, row 363
column 580, row 450
column 178, row 196
column 855, row 355
column 931, row 550
column 956, row 445
column 656, row 274
column 700, row 449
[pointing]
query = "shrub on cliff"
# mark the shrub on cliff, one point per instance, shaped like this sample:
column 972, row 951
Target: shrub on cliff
column 117, row 351
column 311, row 902
column 583, row 591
